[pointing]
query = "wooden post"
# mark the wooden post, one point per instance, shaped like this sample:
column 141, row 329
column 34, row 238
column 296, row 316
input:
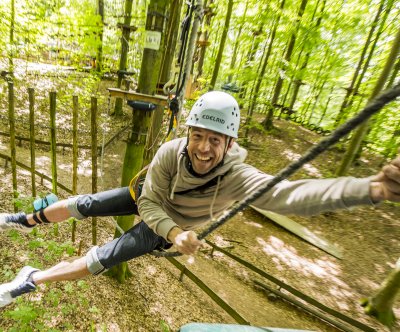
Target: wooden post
column 126, row 30
column 151, row 61
column 31, row 93
column 93, row 131
column 53, row 147
column 75, row 107
column 11, row 117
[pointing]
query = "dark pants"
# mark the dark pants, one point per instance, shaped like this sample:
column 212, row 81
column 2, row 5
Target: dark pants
column 137, row 241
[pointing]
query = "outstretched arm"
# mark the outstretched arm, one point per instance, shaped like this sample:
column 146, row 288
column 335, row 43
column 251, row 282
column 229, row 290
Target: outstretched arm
column 386, row 184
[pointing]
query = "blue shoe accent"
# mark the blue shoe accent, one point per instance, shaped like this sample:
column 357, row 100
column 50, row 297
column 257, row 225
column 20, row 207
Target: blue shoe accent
column 42, row 203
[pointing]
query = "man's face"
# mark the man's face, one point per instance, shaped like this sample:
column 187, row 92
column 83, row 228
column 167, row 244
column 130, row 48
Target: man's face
column 205, row 149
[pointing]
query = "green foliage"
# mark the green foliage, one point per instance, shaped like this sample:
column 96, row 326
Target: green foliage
column 164, row 326
column 24, row 203
column 23, row 314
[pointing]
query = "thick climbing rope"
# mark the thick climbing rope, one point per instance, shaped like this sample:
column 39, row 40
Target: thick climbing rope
column 373, row 107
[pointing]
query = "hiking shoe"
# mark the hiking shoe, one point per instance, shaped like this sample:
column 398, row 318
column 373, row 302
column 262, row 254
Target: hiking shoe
column 14, row 221
column 22, row 284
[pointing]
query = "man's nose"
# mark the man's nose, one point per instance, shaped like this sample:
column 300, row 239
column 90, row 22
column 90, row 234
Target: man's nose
column 204, row 145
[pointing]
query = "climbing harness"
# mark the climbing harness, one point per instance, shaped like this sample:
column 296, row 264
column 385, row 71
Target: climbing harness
column 373, row 107
column 136, row 184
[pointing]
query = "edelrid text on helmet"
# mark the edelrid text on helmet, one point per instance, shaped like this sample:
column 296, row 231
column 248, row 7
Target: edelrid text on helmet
column 213, row 118
column 217, row 111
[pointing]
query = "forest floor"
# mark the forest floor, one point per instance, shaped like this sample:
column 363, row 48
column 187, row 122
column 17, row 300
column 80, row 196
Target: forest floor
column 154, row 299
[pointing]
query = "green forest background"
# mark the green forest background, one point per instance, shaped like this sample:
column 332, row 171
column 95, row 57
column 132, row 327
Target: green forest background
column 314, row 62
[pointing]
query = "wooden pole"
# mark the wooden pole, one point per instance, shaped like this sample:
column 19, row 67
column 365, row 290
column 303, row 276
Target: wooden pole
column 53, row 147
column 94, row 161
column 31, row 93
column 124, row 52
column 11, row 117
column 75, row 107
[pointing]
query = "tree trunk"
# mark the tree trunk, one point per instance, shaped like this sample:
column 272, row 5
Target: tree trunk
column 395, row 74
column 126, row 31
column 380, row 305
column 11, row 40
column 350, row 89
column 267, row 122
column 325, row 107
column 360, row 133
column 221, row 46
column 371, row 52
column 316, row 98
column 204, row 38
column 298, row 81
column 171, row 37
column 249, row 59
column 236, row 47
column 99, row 55
column 260, row 76
column 141, row 121
column 186, row 66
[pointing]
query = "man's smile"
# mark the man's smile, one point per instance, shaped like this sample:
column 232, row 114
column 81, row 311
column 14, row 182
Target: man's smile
column 201, row 158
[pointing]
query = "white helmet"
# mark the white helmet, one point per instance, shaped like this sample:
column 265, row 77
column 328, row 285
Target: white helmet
column 217, row 111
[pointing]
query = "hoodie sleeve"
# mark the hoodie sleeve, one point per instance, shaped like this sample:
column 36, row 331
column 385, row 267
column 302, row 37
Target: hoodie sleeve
column 303, row 197
column 156, row 188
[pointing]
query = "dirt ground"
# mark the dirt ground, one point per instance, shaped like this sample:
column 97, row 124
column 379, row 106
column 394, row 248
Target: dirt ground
column 155, row 299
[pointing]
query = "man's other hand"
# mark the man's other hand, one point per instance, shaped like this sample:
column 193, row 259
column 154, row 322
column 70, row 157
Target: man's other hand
column 386, row 184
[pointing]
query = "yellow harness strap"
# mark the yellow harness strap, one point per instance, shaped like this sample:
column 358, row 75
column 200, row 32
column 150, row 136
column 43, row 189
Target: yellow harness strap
column 136, row 181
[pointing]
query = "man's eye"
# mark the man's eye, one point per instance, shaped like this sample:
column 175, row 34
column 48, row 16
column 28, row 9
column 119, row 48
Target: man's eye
column 215, row 140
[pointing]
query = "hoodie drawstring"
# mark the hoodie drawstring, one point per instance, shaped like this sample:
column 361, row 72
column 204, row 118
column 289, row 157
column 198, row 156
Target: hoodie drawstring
column 214, row 198
column 171, row 196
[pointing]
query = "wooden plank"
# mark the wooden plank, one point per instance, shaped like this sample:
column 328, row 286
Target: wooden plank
column 212, row 327
column 131, row 95
column 302, row 232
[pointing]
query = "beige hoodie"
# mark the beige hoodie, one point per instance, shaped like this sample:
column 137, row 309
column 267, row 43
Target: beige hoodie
column 162, row 206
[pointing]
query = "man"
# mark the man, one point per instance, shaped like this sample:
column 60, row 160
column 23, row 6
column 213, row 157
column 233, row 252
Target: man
column 189, row 182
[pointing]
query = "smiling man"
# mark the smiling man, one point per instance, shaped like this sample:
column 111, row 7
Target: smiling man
column 190, row 181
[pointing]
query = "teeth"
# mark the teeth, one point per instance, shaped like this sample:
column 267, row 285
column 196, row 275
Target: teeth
column 203, row 158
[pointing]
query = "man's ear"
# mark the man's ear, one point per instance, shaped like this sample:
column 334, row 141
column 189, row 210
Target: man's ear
column 230, row 144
